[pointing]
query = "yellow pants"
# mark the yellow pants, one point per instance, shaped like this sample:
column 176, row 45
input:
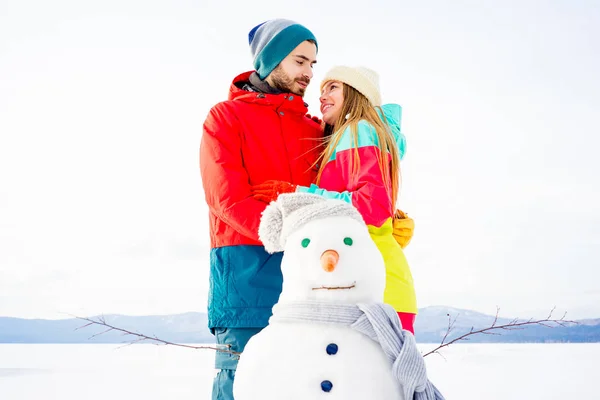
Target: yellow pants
column 399, row 286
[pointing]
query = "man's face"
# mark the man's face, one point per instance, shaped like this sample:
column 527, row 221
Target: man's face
column 294, row 73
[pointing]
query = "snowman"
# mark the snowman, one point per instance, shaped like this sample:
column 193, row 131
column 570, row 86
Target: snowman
column 330, row 336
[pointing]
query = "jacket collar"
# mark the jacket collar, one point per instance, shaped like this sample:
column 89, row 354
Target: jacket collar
column 279, row 101
column 258, row 85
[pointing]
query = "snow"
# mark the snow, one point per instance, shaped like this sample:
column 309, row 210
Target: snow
column 466, row 372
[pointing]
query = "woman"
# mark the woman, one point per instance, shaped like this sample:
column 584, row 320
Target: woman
column 361, row 165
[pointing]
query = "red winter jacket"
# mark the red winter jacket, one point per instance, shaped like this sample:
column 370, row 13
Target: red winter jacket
column 248, row 139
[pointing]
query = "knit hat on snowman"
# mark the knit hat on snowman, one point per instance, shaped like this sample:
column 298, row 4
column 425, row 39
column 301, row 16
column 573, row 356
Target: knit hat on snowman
column 291, row 211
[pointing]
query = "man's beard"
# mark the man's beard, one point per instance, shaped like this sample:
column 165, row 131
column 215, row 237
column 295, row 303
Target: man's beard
column 286, row 84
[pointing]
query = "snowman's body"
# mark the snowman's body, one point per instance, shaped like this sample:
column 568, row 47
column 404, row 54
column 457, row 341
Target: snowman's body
column 296, row 361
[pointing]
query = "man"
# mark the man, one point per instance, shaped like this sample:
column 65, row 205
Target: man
column 261, row 133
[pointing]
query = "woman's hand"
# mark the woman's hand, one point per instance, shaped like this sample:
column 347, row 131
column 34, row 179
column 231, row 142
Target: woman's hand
column 268, row 191
column 404, row 227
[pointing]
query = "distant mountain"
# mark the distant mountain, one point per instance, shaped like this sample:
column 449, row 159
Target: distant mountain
column 189, row 327
column 431, row 326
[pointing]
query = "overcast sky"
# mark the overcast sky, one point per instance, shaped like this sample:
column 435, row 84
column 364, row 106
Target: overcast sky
column 101, row 111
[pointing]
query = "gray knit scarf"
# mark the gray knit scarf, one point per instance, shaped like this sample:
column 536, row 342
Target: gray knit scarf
column 378, row 322
column 255, row 84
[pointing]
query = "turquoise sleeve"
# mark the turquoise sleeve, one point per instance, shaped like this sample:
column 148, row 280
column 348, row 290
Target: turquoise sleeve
column 328, row 194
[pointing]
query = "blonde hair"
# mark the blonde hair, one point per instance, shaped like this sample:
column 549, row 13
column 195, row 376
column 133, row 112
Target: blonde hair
column 357, row 107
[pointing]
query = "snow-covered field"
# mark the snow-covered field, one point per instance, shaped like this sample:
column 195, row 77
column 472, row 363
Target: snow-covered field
column 465, row 372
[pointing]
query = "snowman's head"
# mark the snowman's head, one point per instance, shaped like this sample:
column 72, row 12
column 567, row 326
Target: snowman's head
column 328, row 252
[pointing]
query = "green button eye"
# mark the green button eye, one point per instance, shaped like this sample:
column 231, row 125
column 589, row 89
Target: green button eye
column 305, row 242
column 348, row 241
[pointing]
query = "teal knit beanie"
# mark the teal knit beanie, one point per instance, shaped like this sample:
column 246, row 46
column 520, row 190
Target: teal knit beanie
column 271, row 42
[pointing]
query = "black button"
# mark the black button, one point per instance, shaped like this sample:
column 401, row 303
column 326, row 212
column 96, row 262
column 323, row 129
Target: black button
column 326, row 386
column 332, row 349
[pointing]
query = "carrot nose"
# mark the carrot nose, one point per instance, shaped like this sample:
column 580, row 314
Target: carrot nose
column 329, row 260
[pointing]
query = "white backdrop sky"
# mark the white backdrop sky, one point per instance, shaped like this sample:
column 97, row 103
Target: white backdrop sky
column 101, row 111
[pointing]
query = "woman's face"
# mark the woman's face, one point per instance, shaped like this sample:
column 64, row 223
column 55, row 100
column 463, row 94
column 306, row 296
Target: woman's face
column 332, row 98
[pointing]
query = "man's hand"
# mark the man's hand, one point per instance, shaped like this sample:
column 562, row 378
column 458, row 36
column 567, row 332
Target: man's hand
column 269, row 191
column 314, row 118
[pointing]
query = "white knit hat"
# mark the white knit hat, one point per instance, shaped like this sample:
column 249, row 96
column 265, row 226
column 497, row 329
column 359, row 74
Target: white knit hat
column 365, row 80
column 291, row 211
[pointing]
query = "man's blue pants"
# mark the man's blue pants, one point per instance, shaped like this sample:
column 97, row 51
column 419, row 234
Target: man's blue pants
column 233, row 339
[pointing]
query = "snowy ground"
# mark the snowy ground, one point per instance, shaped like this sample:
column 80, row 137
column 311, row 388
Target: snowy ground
column 467, row 371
